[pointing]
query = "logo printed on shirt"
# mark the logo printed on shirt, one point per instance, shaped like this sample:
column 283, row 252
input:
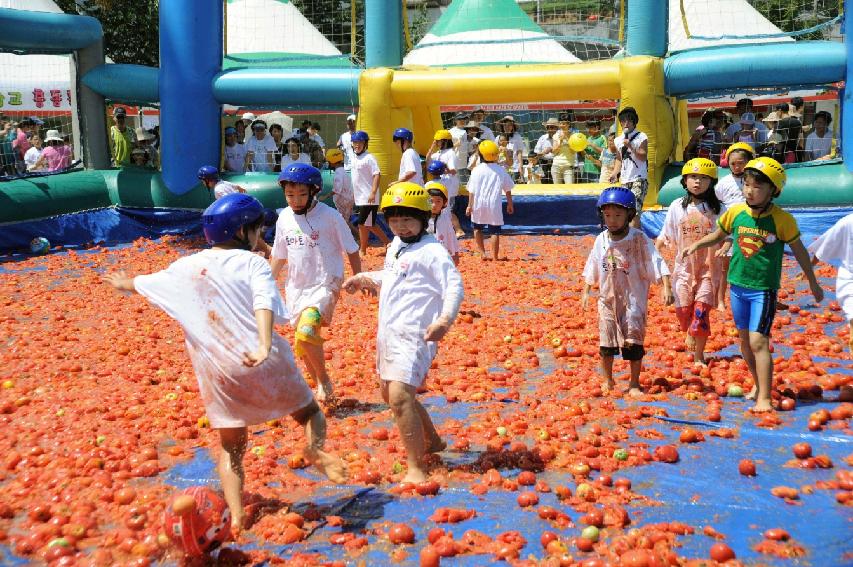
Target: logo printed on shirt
column 749, row 245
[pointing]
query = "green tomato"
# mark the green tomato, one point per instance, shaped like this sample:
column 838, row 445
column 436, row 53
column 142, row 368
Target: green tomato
column 590, row 533
column 735, row 391
column 501, row 431
column 620, row 455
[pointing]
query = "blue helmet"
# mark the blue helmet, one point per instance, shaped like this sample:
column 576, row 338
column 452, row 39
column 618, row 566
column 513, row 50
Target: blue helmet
column 301, row 173
column 206, row 172
column 230, row 130
column 359, row 136
column 617, row 196
column 436, row 167
column 403, row 134
column 226, row 215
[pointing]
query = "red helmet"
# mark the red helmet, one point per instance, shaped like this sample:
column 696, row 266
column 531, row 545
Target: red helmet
column 197, row 520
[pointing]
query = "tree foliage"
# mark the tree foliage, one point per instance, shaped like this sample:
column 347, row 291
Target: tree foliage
column 131, row 27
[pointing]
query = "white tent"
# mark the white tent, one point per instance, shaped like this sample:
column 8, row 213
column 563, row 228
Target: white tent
column 474, row 32
column 736, row 20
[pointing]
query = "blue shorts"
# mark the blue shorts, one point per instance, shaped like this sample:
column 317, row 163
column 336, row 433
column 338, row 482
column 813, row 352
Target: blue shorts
column 488, row 228
column 753, row 309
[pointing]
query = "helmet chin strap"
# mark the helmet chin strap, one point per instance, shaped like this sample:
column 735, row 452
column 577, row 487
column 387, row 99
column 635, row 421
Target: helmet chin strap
column 761, row 209
column 304, row 210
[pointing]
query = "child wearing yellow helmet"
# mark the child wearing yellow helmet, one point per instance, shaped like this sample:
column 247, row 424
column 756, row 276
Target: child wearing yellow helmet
column 420, row 291
column 759, row 231
column 439, row 222
column 694, row 280
column 446, row 150
column 488, row 180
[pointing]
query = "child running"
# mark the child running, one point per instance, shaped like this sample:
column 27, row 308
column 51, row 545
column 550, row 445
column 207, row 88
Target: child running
column 837, row 244
column 420, row 291
column 729, row 192
column 694, row 280
column 488, row 180
column 759, row 231
column 365, row 186
column 226, row 301
column 312, row 238
column 624, row 263
column 439, row 221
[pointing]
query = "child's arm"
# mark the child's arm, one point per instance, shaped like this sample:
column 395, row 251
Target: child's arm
column 714, row 238
column 277, row 264
column 509, row 207
column 375, row 188
column 120, row 281
column 248, row 159
column 616, row 168
column 264, row 319
column 802, row 256
column 453, row 294
column 369, row 282
column 263, row 248
column 642, row 152
column 666, row 293
column 355, row 262
column 585, row 295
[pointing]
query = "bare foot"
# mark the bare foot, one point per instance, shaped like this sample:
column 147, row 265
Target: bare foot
column 634, row 392
column 436, row 445
column 608, row 386
column 329, row 465
column 690, row 341
column 752, row 393
column 237, row 523
column 414, row 475
column 700, row 360
column 721, row 306
column 761, row 406
column 460, row 234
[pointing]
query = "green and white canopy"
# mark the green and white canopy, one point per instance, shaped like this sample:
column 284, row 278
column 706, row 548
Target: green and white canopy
column 274, row 33
column 735, row 20
column 483, row 32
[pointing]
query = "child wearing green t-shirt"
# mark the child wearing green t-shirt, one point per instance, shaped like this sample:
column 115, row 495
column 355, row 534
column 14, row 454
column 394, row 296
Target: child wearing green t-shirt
column 595, row 145
column 759, row 231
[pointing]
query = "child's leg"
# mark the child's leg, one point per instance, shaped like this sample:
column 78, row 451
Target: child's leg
column 309, row 347
column 363, row 236
column 700, row 329
column 434, row 442
column 380, row 234
column 760, row 346
column 724, row 284
column 749, row 358
column 314, row 421
column 607, row 367
column 850, row 336
column 634, row 355
column 402, row 399
column 496, row 246
column 478, row 240
column 230, row 468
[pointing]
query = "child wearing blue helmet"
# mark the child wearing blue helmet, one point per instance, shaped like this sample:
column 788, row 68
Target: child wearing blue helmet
column 226, row 301
column 209, row 176
column 365, row 186
column 312, row 239
column 623, row 263
column 410, row 162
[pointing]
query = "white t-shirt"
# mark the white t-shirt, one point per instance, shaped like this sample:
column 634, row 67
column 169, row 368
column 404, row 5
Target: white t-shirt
column 260, row 160
column 419, row 283
column 837, row 244
column 213, row 295
column 235, row 158
column 487, row 133
column 624, row 270
column 364, row 167
column 223, row 188
column 342, row 186
column 449, row 180
column 313, row 245
column 488, row 181
column 729, row 190
column 632, row 167
column 442, row 228
column 515, row 145
column 31, row 158
column 345, row 144
column 463, row 149
column 817, row 147
column 543, row 146
column 410, row 161
column 287, row 160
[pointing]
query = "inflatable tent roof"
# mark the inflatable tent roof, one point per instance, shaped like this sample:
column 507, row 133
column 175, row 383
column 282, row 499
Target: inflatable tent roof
column 736, row 20
column 274, row 33
column 507, row 33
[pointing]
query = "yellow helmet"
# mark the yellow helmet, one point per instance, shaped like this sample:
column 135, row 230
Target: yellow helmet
column 436, row 186
column 489, row 150
column 772, row 169
column 334, row 155
column 442, row 135
column 700, row 166
column 740, row 146
column 406, row 194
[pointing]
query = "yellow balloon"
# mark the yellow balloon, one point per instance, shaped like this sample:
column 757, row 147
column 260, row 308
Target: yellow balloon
column 577, row 142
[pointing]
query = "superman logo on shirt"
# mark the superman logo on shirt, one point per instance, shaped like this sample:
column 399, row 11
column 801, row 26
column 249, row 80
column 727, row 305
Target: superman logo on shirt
column 749, row 245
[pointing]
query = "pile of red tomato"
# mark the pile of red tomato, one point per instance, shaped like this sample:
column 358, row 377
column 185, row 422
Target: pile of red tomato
column 98, row 399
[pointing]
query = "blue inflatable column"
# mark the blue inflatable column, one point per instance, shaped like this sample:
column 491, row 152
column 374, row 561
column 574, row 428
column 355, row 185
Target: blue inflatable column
column 847, row 93
column 647, row 27
column 383, row 33
column 190, row 57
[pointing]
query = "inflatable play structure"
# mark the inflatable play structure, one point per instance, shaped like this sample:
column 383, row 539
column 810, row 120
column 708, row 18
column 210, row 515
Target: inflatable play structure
column 660, row 65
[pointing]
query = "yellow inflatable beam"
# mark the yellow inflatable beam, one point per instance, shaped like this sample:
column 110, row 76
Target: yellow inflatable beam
column 411, row 98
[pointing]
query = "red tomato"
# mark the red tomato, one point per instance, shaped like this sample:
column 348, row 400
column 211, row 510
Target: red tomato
column 746, row 467
column 429, row 557
column 802, row 450
column 401, row 533
column 777, row 534
column 584, row 544
column 427, row 488
column 721, row 552
column 546, row 538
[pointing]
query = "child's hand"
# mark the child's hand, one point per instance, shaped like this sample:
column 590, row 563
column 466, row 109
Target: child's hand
column 817, row 291
column 256, row 358
column 584, row 300
column 667, row 296
column 509, row 209
column 724, row 249
column 120, row 281
column 687, row 252
column 357, row 282
column 468, row 211
column 437, row 330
